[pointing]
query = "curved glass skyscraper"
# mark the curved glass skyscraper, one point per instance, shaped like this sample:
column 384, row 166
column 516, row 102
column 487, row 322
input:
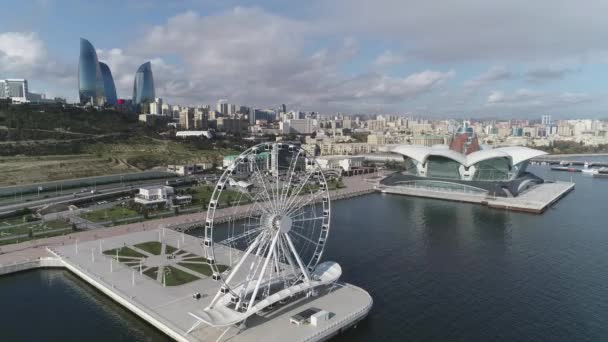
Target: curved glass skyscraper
column 143, row 87
column 108, row 84
column 90, row 81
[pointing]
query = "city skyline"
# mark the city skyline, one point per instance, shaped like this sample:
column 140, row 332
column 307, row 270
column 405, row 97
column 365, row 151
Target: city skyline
column 404, row 58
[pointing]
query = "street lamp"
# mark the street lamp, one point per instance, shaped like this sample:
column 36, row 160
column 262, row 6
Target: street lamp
column 166, row 270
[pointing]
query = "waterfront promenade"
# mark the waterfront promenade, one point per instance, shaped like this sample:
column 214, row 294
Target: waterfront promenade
column 535, row 200
column 35, row 249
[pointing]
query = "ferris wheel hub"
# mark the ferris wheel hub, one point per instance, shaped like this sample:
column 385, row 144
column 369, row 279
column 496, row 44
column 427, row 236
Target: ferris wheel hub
column 281, row 223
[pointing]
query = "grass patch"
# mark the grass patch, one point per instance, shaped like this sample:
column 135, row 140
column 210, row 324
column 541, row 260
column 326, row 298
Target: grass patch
column 152, row 247
column 124, row 252
column 57, row 224
column 178, row 277
column 111, row 214
column 151, row 272
column 169, row 249
column 36, row 236
column 202, row 194
column 203, row 269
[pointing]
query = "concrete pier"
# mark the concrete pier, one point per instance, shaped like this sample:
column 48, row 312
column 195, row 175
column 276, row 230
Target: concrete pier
column 167, row 308
column 535, row 200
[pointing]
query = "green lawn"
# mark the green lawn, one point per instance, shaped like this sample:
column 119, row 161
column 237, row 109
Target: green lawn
column 170, row 249
column 152, row 247
column 109, row 214
column 151, row 272
column 202, row 194
column 36, row 236
column 178, row 277
column 200, row 268
column 56, row 224
column 124, row 252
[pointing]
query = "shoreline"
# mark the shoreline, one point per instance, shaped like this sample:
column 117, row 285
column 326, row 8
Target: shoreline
column 35, row 250
column 573, row 155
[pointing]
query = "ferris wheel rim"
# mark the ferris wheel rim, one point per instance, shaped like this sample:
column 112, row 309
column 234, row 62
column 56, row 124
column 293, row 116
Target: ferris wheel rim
column 289, row 206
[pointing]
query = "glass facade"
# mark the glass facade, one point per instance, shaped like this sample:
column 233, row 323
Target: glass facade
column 90, row 81
column 410, row 166
column 143, row 87
column 108, row 84
column 442, row 167
column 495, row 169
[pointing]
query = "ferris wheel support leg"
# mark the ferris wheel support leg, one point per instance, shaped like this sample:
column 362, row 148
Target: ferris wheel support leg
column 257, row 284
column 236, row 268
column 295, row 253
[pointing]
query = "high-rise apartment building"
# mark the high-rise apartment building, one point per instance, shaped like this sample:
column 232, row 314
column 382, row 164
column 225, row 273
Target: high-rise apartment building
column 15, row 89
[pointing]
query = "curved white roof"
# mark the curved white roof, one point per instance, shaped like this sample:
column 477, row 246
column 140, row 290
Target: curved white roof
column 516, row 154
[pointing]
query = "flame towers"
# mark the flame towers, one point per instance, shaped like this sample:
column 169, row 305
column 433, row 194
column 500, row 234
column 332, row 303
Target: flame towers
column 143, row 86
column 90, row 80
column 108, row 84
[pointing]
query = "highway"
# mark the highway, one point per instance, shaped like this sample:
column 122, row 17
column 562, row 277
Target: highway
column 36, row 202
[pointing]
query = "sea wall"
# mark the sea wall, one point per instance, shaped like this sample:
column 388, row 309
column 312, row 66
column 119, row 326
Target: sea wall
column 30, row 264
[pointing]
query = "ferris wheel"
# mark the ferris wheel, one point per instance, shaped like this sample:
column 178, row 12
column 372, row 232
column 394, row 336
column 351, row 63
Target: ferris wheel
column 267, row 224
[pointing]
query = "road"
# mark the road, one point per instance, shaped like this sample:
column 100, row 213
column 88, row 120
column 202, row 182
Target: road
column 35, row 248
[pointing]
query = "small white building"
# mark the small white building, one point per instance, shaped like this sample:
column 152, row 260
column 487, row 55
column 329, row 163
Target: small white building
column 185, row 170
column 199, row 134
column 346, row 163
column 159, row 195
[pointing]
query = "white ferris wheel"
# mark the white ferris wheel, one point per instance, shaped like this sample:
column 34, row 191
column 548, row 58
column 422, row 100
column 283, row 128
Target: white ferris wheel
column 267, row 224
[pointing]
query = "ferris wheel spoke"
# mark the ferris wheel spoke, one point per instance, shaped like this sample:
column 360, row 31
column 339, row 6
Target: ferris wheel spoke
column 242, row 235
column 261, row 179
column 287, row 255
column 266, row 260
column 302, row 237
column 303, row 203
column 286, row 187
column 309, row 219
column 294, row 196
column 237, row 267
column 297, row 256
column 255, row 201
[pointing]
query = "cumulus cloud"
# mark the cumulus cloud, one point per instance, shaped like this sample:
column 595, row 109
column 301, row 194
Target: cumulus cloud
column 124, row 66
column 473, row 30
column 493, row 74
column 24, row 55
column 544, row 74
column 526, row 98
column 388, row 58
column 248, row 55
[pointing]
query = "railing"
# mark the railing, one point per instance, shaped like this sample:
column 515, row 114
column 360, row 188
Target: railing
column 132, row 300
column 337, row 325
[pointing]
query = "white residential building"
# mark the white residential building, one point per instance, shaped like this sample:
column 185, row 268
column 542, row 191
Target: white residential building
column 159, row 195
column 15, row 89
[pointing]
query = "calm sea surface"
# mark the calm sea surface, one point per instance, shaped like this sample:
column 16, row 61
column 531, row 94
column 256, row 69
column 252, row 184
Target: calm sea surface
column 438, row 271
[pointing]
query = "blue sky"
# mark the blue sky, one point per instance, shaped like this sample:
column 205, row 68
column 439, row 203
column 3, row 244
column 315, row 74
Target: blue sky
column 470, row 58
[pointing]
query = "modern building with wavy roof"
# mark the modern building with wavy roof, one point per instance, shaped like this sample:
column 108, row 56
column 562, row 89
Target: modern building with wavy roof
column 143, row 86
column 90, row 80
column 465, row 166
column 108, row 84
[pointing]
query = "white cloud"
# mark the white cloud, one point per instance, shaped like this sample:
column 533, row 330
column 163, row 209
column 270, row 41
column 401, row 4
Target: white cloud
column 24, row 55
column 544, row 74
column 492, row 75
column 526, row 98
column 476, row 30
column 388, row 58
column 248, row 55
column 20, row 51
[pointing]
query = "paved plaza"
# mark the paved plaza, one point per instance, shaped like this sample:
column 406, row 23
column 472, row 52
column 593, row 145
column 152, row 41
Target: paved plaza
column 167, row 307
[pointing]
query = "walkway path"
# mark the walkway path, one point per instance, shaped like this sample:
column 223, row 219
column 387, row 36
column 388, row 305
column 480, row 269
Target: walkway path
column 34, row 249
